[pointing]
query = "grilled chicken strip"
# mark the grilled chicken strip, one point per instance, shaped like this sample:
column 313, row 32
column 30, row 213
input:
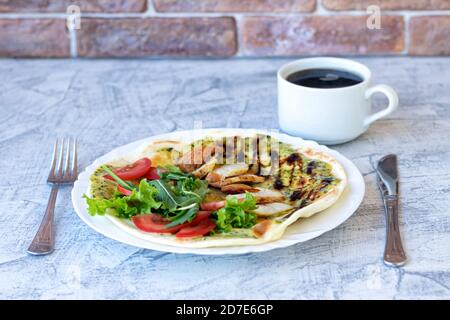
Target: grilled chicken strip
column 269, row 209
column 205, row 168
column 238, row 188
column 263, row 195
column 245, row 178
column 219, row 174
column 193, row 159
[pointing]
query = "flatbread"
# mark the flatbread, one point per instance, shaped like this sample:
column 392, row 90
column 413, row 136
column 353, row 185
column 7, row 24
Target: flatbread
column 272, row 232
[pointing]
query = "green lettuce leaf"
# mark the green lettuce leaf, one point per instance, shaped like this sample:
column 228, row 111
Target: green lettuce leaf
column 165, row 194
column 141, row 200
column 236, row 214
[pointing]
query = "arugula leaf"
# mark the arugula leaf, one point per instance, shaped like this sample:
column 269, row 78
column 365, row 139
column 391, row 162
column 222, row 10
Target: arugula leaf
column 236, row 214
column 173, row 173
column 124, row 184
column 188, row 189
column 181, row 202
column 193, row 188
column 165, row 195
column 186, row 215
column 173, row 176
column 173, row 169
column 141, row 200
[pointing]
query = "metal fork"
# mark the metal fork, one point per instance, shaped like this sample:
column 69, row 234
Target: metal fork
column 64, row 151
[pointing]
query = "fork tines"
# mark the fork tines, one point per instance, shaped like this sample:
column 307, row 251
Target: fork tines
column 64, row 161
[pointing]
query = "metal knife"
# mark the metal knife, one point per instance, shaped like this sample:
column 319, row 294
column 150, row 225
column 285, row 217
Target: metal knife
column 387, row 178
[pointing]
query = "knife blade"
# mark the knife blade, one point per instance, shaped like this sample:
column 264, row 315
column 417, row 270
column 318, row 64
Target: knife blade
column 388, row 183
column 387, row 172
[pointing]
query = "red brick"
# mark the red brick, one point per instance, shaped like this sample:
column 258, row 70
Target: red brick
column 157, row 37
column 234, row 5
column 33, row 38
column 278, row 36
column 387, row 4
column 429, row 35
column 61, row 5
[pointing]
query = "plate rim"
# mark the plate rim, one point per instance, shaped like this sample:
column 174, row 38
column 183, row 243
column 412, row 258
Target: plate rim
column 284, row 242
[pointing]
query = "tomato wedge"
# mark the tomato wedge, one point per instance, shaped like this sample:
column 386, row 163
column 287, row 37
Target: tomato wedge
column 152, row 174
column 123, row 191
column 212, row 206
column 132, row 171
column 201, row 215
column 202, row 228
column 155, row 223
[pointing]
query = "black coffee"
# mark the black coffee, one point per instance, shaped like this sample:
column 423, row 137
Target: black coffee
column 324, row 78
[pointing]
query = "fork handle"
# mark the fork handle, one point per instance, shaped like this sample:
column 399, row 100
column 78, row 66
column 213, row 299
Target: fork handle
column 394, row 255
column 44, row 240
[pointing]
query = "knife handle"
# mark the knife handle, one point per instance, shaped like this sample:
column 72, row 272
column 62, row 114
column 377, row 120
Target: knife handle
column 394, row 255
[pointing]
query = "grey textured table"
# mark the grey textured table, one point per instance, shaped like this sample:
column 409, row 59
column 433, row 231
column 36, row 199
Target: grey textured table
column 113, row 102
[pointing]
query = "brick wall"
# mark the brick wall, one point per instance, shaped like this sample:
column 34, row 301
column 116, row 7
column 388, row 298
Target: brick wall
column 137, row 28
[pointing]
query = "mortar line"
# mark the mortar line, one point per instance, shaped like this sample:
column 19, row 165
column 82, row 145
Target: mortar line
column 239, row 40
column 320, row 9
column 150, row 8
column 406, row 33
column 73, row 42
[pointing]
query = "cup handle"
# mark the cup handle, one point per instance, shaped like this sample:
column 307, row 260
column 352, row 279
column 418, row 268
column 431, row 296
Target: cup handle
column 393, row 102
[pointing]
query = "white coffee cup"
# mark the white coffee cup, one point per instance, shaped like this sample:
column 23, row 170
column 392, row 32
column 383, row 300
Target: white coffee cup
column 329, row 116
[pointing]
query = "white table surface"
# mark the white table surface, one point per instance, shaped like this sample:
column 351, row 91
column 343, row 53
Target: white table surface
column 108, row 103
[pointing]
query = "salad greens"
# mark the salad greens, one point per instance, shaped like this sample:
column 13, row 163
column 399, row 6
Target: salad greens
column 141, row 200
column 236, row 214
column 180, row 194
column 176, row 196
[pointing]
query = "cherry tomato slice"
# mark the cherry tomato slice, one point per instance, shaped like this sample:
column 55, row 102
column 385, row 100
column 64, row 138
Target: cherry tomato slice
column 157, row 224
column 202, row 228
column 153, row 223
column 152, row 174
column 132, row 171
column 123, row 191
column 212, row 206
column 201, row 215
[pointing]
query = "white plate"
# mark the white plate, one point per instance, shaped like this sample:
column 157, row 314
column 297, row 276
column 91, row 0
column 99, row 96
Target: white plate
column 302, row 230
